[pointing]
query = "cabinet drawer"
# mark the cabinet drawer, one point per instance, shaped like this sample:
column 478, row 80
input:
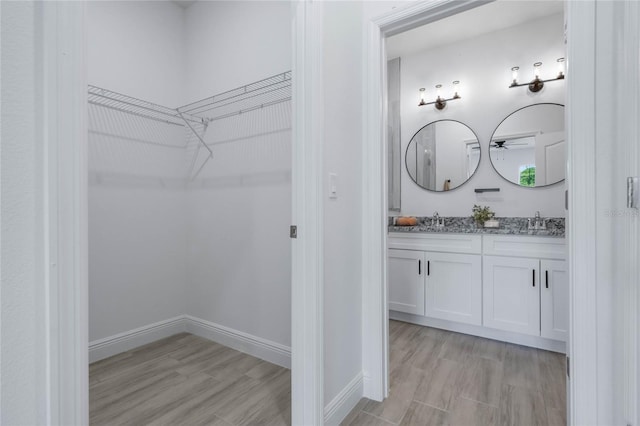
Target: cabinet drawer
column 448, row 243
column 540, row 247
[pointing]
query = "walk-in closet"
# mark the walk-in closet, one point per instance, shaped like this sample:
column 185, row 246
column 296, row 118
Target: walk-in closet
column 189, row 144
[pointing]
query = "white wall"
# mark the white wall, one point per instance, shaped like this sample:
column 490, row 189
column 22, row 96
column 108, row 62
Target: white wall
column 22, row 293
column 137, row 48
column 232, row 43
column 342, row 230
column 483, row 67
column 137, row 215
column 239, row 209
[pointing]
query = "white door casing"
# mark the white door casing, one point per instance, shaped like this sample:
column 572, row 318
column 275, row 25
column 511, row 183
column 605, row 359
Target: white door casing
column 307, row 352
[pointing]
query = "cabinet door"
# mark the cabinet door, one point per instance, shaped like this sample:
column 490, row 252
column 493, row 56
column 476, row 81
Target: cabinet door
column 554, row 300
column 454, row 287
column 511, row 294
column 406, row 281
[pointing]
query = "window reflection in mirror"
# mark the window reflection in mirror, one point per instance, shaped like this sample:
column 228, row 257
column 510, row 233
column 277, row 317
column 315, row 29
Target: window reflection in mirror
column 528, row 147
column 442, row 155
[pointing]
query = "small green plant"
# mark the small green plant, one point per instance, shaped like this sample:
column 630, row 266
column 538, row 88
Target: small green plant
column 482, row 213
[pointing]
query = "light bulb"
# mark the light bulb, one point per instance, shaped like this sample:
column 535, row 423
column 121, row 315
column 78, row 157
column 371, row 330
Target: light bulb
column 439, row 91
column 514, row 74
column 421, row 96
column 536, row 69
column 456, row 89
column 560, row 67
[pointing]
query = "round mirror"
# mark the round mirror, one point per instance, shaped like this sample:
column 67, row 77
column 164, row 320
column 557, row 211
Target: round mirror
column 442, row 155
column 528, row 147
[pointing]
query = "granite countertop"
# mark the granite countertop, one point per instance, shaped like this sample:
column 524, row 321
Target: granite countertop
column 466, row 225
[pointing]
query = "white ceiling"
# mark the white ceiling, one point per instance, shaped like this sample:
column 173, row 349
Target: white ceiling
column 472, row 23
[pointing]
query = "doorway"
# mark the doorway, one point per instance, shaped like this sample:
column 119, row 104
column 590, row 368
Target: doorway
column 581, row 240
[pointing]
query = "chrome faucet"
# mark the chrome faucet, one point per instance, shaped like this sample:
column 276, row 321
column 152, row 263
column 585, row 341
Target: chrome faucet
column 539, row 224
column 436, row 220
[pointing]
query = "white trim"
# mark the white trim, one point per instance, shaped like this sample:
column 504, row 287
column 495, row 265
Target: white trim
column 267, row 350
column 581, row 235
column 65, row 210
column 628, row 234
column 122, row 342
column 307, row 378
column 264, row 349
column 340, row 406
column 486, row 332
column 375, row 344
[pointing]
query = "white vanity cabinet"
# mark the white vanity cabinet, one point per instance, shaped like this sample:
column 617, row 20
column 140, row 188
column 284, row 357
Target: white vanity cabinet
column 554, row 300
column 454, row 287
column 406, row 281
column 511, row 294
column 444, row 284
column 505, row 287
column 525, row 285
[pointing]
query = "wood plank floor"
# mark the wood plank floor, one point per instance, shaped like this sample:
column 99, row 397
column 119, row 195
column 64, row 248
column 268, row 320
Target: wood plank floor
column 443, row 378
column 188, row 380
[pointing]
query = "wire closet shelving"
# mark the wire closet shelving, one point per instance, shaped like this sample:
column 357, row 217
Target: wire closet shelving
column 196, row 116
column 260, row 94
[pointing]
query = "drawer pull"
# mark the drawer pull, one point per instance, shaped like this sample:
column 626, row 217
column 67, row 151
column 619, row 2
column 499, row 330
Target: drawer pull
column 428, row 267
column 419, row 267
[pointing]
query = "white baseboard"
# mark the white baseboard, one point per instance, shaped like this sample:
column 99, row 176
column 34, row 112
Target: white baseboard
column 243, row 342
column 340, row 406
column 122, row 342
column 261, row 348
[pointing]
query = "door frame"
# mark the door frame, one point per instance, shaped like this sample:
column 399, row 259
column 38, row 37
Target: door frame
column 585, row 390
column 65, row 174
column 307, row 277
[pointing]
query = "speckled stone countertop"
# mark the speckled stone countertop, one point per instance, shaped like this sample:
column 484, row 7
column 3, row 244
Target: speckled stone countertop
column 466, row 225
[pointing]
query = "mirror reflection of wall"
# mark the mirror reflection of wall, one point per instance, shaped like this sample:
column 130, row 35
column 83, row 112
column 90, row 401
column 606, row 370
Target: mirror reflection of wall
column 442, row 155
column 528, row 147
column 478, row 48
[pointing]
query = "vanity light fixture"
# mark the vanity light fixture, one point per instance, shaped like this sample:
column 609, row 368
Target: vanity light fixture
column 440, row 102
column 537, row 84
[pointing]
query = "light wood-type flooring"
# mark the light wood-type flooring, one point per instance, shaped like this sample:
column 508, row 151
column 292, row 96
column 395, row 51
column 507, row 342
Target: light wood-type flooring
column 443, row 378
column 188, row 380
column 436, row 378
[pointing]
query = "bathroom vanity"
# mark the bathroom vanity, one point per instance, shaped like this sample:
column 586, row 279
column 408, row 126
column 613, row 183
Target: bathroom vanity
column 508, row 284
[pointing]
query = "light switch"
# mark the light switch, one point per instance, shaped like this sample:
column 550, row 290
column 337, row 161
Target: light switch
column 333, row 185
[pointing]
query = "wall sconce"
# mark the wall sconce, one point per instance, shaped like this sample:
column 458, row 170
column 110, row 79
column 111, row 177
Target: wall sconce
column 440, row 102
column 536, row 84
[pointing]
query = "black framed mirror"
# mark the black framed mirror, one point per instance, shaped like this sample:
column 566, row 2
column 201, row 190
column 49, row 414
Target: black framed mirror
column 528, row 147
column 442, row 155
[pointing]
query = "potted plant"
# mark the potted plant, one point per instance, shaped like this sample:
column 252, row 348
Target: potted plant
column 481, row 214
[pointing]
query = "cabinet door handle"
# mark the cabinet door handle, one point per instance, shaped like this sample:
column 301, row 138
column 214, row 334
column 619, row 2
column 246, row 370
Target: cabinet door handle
column 419, row 267
column 534, row 277
column 546, row 278
column 428, row 267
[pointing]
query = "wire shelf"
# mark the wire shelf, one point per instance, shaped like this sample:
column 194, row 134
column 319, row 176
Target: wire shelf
column 109, row 124
column 270, row 91
column 128, row 104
